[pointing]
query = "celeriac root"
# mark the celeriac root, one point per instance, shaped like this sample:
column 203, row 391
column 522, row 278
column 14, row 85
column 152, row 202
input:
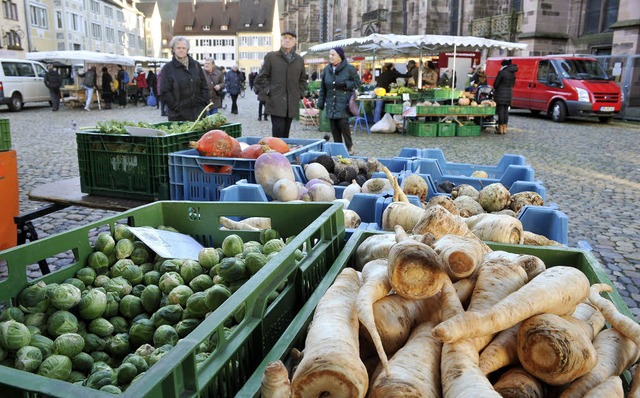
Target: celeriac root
column 460, row 255
column 531, row 239
column 248, row 224
column 439, row 222
column 517, row 383
column 275, row 381
column 496, row 228
column 622, row 323
column 445, row 202
column 501, row 351
column 610, row 388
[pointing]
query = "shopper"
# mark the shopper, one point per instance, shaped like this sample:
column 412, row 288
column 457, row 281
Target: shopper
column 430, row 75
column 141, row 86
column 367, row 76
column 413, row 73
column 282, row 79
column 89, row 83
column 152, row 82
column 107, row 92
column 122, row 86
column 338, row 81
column 233, row 83
column 502, row 92
column 183, row 86
column 53, row 81
column 216, row 84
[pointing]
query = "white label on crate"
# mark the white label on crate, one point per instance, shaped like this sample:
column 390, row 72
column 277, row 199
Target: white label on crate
column 405, row 97
column 168, row 244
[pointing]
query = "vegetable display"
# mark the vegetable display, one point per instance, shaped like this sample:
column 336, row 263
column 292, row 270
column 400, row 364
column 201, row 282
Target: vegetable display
column 205, row 124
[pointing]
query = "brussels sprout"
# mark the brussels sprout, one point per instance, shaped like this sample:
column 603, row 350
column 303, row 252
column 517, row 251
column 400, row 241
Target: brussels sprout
column 201, row 357
column 254, row 262
column 137, row 361
column 271, row 255
column 145, row 351
column 76, row 377
column 131, row 306
column 268, row 234
column 113, row 305
column 93, row 342
column 99, row 262
column 232, row 245
column 101, row 378
column 179, row 295
column 299, row 254
column 28, row 358
column 119, row 285
column 208, row 257
column 215, row 296
column 144, row 315
column 167, row 315
column 150, row 298
column 137, row 290
column 273, row 245
column 122, row 231
column 55, row 367
column 141, row 332
column 87, row 275
column 82, row 329
column 101, row 281
column 61, row 322
column 100, row 365
column 3, row 354
column 33, row 330
column 186, row 326
column 12, row 313
column 124, row 248
column 201, row 283
column 250, row 249
column 64, row 296
column 197, row 305
column 92, row 304
column 76, row 282
column 120, row 325
column 119, row 345
column 151, row 278
column 146, row 267
column 169, row 281
column 105, row 243
column 218, row 280
column 100, row 356
column 68, row 344
column 169, row 266
column 140, row 255
column 112, row 258
column 82, row 362
column 119, row 267
column 159, row 353
column 34, row 298
column 133, row 274
column 235, row 285
column 43, row 343
column 232, row 269
column 37, row 319
column 100, row 327
column 189, row 270
column 126, row 372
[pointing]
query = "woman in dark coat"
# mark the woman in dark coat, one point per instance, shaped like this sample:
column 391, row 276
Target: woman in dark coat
column 233, row 83
column 183, row 86
column 502, row 91
column 339, row 79
column 107, row 93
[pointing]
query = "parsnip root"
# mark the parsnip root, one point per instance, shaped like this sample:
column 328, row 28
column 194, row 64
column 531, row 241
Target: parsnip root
column 275, row 381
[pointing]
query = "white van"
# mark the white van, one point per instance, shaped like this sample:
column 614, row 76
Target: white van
column 22, row 81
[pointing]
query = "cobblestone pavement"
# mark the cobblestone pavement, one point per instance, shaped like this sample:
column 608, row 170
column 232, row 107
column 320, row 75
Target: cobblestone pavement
column 591, row 171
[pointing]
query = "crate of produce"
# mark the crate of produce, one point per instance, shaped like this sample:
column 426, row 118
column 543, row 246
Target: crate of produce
column 446, row 129
column 440, row 94
column 434, row 110
column 420, row 129
column 5, row 135
column 468, row 130
column 259, row 313
column 394, row 109
column 295, row 335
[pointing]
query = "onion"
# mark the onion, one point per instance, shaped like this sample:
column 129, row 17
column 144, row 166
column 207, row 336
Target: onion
column 271, row 167
column 285, row 190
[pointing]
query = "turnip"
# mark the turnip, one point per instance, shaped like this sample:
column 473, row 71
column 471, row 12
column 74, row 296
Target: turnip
column 494, row 197
column 316, row 170
column 303, row 192
column 315, row 181
column 351, row 219
column 467, row 206
column 521, row 199
column 445, row 202
column 414, row 184
column 377, row 185
column 285, row 190
column 322, row 192
column 464, row 190
column 351, row 190
column 271, row 167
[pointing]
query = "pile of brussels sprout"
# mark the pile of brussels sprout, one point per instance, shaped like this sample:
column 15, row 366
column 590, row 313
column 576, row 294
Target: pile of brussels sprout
column 126, row 309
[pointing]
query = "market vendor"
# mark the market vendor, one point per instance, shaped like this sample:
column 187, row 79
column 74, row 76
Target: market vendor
column 413, row 73
column 430, row 75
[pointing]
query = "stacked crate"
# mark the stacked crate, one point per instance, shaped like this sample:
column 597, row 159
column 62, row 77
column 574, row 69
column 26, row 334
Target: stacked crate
column 8, row 187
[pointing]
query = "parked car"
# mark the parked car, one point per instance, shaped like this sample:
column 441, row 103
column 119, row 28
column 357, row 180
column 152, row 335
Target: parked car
column 21, row 82
column 562, row 86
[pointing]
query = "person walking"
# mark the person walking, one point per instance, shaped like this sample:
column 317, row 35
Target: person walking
column 216, row 84
column 262, row 108
column 282, row 79
column 502, row 92
column 89, row 82
column 107, row 92
column 338, row 81
column 183, row 86
column 53, row 81
column 233, row 83
column 122, row 87
column 152, row 82
column 252, row 78
column 141, row 85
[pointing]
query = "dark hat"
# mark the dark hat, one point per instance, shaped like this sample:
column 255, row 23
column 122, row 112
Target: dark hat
column 340, row 51
column 505, row 62
column 411, row 62
column 290, row 32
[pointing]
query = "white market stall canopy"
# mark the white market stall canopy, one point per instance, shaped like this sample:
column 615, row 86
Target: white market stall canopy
column 150, row 60
column 74, row 57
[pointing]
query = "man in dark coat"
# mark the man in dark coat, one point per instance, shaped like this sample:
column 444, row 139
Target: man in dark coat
column 282, row 80
column 502, row 92
column 183, row 86
column 53, row 81
column 215, row 81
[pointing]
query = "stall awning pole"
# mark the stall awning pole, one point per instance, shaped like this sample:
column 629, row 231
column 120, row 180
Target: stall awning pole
column 453, row 72
column 420, row 70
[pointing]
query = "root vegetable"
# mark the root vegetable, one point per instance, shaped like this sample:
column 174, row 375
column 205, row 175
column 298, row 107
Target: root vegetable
column 351, row 219
column 374, row 247
column 531, row 264
column 624, row 324
column 531, row 239
column 494, row 197
column 377, row 185
column 592, row 318
column 322, row 192
column 445, row 202
column 557, row 290
column 395, row 317
column 316, row 170
column 496, row 228
column 414, row 184
column 415, row 269
column 517, row 383
column 464, row 190
column 460, row 255
column 414, row 369
column 351, row 190
column 275, row 381
column 271, row 167
column 610, row 388
column 375, row 285
column 634, row 391
column 285, row 190
column 401, row 212
column 521, row 199
column 506, row 212
column 439, row 222
column 248, row 224
column 501, row 351
column 555, row 349
column 331, row 365
column 615, row 353
column 479, row 174
column 467, row 206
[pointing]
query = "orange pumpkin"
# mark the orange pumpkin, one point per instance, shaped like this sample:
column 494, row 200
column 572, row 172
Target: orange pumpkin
column 275, row 143
column 253, row 151
column 217, row 143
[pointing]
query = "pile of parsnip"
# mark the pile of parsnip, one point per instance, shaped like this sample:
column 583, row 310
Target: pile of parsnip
column 437, row 313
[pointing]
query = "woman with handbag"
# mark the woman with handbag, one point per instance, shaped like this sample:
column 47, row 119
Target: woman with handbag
column 339, row 81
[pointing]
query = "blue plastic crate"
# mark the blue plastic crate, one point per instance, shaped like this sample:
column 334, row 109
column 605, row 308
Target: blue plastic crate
column 546, row 221
column 298, row 146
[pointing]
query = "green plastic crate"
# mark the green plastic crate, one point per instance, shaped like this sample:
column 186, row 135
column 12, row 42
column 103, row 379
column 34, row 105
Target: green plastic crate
column 468, row 130
column 420, row 129
column 446, row 129
column 394, row 109
column 5, row 135
column 295, row 335
column 319, row 230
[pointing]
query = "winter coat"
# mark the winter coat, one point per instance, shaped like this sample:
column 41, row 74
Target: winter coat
column 141, row 80
column 283, row 83
column 233, row 82
column 152, row 81
column 184, row 90
column 53, row 80
column 89, row 78
column 106, row 83
column 215, row 78
column 387, row 77
column 503, row 85
column 336, row 89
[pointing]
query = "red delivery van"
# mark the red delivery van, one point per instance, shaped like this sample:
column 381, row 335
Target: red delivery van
column 562, row 86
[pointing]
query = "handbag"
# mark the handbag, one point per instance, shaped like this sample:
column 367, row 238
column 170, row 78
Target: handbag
column 151, row 100
column 354, row 108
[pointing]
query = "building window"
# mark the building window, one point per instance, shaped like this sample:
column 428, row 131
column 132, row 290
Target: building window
column 188, row 27
column 75, row 22
column 132, row 40
column 120, row 15
column 206, row 27
column 224, row 27
column 12, row 40
column 260, row 25
column 38, row 16
column 95, row 6
column 96, row 31
column 108, row 12
column 121, row 36
column 10, row 9
column 59, row 20
column 600, row 15
column 110, row 34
